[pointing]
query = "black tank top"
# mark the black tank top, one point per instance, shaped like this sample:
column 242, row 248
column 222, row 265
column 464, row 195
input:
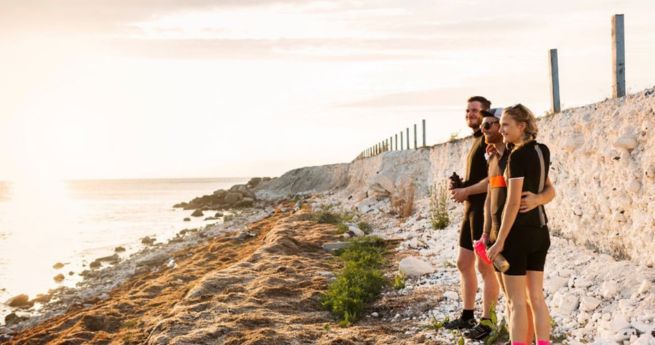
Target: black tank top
column 531, row 162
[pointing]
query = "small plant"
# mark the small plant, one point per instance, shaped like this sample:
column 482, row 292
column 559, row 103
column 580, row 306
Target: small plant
column 437, row 325
column 399, row 281
column 359, row 282
column 366, row 227
column 326, row 216
column 439, row 218
column 453, row 137
column 342, row 228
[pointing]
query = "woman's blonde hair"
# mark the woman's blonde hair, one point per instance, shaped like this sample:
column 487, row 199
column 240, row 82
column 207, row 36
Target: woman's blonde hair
column 521, row 113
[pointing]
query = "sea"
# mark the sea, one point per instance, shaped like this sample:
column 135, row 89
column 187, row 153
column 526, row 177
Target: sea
column 75, row 222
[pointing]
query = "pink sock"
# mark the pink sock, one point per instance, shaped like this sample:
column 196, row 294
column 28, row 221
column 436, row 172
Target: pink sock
column 518, row 343
column 543, row 342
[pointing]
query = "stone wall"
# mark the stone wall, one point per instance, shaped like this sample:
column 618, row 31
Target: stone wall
column 603, row 168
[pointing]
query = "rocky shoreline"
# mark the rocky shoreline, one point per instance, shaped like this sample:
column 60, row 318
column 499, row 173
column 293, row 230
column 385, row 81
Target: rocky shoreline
column 106, row 273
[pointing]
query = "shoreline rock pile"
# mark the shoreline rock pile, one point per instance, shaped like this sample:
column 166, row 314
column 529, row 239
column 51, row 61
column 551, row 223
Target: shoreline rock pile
column 238, row 196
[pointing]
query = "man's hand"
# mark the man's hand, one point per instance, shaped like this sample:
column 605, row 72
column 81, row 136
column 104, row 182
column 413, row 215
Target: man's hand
column 459, row 194
column 529, row 201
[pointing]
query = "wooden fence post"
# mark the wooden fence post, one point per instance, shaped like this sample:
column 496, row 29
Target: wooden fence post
column 554, row 81
column 618, row 56
column 423, row 132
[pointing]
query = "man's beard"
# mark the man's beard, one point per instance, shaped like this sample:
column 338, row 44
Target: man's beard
column 498, row 139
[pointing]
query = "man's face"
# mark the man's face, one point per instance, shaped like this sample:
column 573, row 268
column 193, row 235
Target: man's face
column 491, row 129
column 473, row 116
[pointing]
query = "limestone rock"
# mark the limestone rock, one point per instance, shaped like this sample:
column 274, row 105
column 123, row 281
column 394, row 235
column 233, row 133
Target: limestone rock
column 412, row 266
column 589, row 304
column 628, row 142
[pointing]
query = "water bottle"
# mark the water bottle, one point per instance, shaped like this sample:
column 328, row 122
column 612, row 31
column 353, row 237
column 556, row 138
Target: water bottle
column 455, row 180
column 500, row 263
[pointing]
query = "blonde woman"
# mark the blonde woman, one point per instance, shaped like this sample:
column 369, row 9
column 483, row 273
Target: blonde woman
column 523, row 237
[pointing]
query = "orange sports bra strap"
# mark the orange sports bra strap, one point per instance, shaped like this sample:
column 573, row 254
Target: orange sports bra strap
column 497, row 181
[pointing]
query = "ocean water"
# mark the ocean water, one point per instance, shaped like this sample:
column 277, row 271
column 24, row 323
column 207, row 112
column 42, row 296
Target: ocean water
column 75, row 222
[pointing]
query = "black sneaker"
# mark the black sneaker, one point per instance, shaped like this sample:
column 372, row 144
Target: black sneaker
column 479, row 332
column 460, row 323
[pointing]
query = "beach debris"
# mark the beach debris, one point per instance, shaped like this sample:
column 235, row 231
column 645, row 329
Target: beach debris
column 412, row 266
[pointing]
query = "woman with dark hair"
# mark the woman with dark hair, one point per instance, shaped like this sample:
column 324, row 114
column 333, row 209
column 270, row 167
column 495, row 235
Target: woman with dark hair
column 523, row 237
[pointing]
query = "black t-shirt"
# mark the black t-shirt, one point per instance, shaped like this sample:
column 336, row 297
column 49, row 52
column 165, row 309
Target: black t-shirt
column 530, row 161
column 476, row 167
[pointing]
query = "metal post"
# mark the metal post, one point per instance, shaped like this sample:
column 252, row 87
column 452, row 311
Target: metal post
column 396, row 144
column 423, row 132
column 618, row 56
column 402, row 142
column 554, row 81
column 407, row 138
column 391, row 143
column 415, row 138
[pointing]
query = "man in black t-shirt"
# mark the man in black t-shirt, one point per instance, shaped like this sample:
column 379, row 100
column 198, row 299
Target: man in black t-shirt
column 472, row 194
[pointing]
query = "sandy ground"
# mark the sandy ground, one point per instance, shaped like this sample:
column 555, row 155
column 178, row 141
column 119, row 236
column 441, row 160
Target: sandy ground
column 258, row 286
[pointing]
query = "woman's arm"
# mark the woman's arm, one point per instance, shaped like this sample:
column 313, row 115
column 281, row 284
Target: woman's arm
column 510, row 212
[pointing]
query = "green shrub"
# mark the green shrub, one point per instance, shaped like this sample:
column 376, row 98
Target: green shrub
column 360, row 281
column 342, row 228
column 366, row 227
column 439, row 207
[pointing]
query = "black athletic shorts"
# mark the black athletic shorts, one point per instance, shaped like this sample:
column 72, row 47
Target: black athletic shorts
column 472, row 224
column 525, row 249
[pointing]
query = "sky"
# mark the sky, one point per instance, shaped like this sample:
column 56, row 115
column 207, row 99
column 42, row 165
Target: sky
column 194, row 88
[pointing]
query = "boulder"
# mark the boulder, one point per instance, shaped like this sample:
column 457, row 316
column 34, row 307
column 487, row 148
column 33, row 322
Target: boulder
column 119, row 249
column 20, row 301
column 13, row 319
column 59, row 278
column 148, row 241
column 197, row 213
column 187, row 219
column 412, row 266
column 218, row 214
column 246, row 202
column 628, row 142
column 220, row 194
column 254, row 182
column 181, row 205
column 58, row 266
column 231, row 198
column 589, row 303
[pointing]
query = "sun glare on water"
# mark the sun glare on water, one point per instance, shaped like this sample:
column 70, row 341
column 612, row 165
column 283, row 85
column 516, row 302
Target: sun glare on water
column 36, row 217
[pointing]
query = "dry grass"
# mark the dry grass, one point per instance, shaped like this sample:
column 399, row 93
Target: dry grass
column 402, row 202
